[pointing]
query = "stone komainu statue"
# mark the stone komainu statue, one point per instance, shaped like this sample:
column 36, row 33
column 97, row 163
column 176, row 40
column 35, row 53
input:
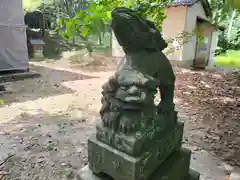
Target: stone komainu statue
column 130, row 118
column 138, row 139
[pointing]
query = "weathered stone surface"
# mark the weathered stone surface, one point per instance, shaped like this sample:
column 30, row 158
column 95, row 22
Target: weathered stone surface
column 176, row 167
column 104, row 158
column 135, row 144
column 131, row 120
column 138, row 139
column 193, row 175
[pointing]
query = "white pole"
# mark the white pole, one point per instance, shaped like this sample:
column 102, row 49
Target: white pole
column 213, row 47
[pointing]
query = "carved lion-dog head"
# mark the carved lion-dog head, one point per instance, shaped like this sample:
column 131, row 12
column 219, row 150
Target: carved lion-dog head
column 135, row 33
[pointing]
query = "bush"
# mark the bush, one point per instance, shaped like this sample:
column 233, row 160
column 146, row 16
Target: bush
column 219, row 51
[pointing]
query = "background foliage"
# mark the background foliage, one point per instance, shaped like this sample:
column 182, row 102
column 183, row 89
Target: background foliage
column 86, row 21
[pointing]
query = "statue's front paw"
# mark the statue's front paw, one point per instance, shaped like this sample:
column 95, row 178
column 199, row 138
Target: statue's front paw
column 110, row 120
column 126, row 125
column 125, row 128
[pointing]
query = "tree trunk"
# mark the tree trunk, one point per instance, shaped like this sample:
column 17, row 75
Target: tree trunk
column 74, row 40
column 100, row 38
column 110, row 38
column 234, row 13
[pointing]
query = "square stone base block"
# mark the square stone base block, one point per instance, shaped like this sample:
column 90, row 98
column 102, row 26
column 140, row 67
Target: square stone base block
column 86, row 174
column 176, row 167
column 193, row 175
column 121, row 166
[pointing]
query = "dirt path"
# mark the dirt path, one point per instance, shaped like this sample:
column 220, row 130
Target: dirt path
column 212, row 101
column 45, row 122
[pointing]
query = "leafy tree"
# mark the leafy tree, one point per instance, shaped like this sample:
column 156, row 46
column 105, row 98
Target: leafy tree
column 28, row 5
column 226, row 14
column 95, row 18
column 85, row 17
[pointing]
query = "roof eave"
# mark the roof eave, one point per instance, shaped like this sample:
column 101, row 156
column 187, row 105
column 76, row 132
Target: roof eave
column 205, row 4
column 221, row 28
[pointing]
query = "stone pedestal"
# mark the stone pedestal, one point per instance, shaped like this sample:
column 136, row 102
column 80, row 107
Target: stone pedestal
column 138, row 139
column 176, row 167
column 165, row 160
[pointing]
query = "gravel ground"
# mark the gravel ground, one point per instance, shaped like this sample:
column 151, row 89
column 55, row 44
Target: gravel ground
column 45, row 122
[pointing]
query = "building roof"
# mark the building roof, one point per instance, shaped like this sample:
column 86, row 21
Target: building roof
column 205, row 4
column 214, row 25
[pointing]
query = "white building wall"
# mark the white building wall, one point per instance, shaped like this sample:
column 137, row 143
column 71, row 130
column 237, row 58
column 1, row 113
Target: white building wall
column 212, row 49
column 191, row 20
column 13, row 41
column 117, row 50
column 172, row 26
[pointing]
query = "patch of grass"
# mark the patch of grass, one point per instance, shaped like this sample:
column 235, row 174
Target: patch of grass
column 1, row 102
column 229, row 59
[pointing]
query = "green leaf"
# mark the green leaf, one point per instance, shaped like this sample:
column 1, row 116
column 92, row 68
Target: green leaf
column 1, row 102
column 109, row 14
column 84, row 32
column 59, row 21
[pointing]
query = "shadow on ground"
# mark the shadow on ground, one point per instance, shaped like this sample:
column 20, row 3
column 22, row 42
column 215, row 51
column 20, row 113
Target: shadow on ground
column 45, row 146
column 50, row 146
column 49, row 84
